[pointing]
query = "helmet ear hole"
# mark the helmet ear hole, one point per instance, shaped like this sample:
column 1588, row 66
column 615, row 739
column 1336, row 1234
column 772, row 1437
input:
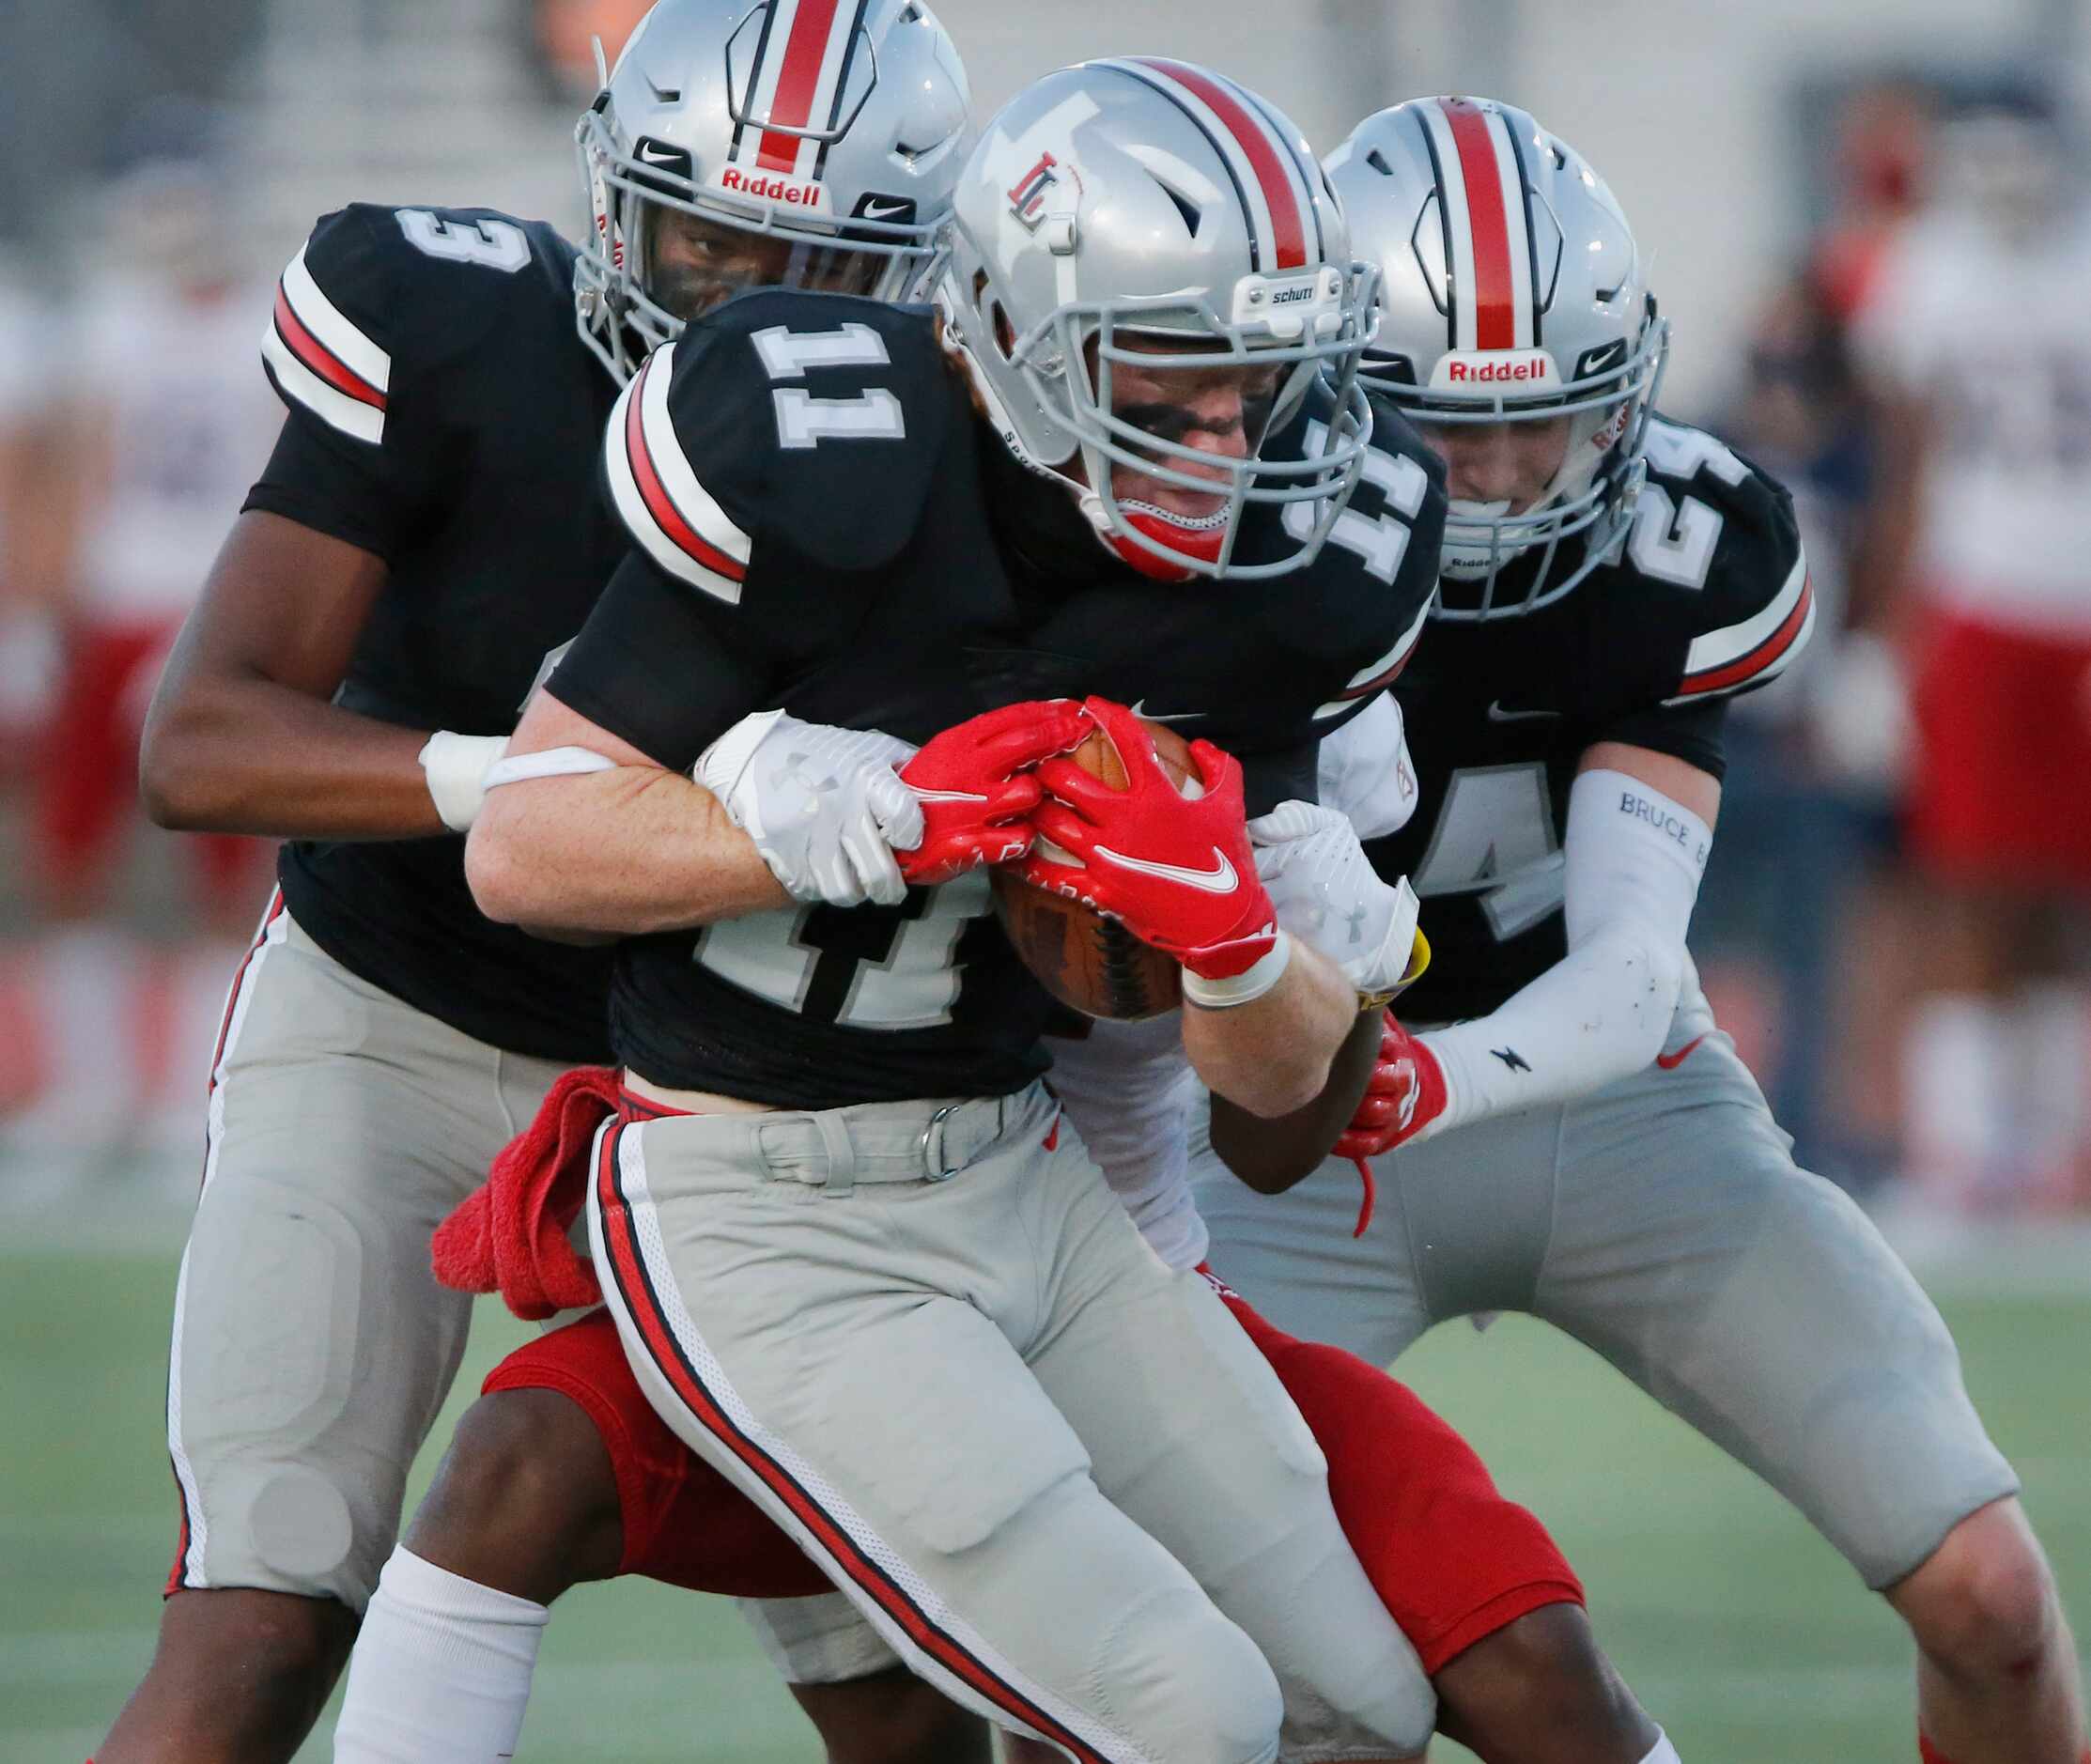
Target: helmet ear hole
column 1005, row 333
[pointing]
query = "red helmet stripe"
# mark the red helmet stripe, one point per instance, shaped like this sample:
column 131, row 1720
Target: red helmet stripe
column 1253, row 137
column 1495, row 294
column 797, row 80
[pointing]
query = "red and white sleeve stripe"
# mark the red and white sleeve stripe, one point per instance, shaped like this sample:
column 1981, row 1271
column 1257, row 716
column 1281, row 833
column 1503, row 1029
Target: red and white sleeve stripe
column 674, row 518
column 1487, row 226
column 1268, row 167
column 1756, row 651
column 1377, row 675
column 318, row 358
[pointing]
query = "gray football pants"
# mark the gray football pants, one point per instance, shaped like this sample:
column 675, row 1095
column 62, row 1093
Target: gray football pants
column 1057, row 1477
column 1663, row 1223
column 312, row 1346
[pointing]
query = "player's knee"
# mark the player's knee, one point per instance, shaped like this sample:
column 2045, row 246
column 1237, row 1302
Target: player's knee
column 525, row 1500
column 1984, row 1603
column 1182, row 1679
column 893, row 1718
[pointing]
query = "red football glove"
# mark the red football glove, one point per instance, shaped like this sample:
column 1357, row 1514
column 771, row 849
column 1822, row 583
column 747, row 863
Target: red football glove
column 1404, row 1095
column 1176, row 869
column 976, row 788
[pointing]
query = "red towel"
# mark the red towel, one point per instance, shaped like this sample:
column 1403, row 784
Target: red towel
column 509, row 1234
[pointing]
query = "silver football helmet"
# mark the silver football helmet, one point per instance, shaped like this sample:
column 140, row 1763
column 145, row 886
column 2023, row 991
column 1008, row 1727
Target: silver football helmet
column 1512, row 292
column 1148, row 214
column 837, row 126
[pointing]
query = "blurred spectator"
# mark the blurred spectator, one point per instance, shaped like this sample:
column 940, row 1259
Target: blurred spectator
column 27, row 644
column 1975, row 559
column 1883, row 140
column 164, row 421
column 1795, row 813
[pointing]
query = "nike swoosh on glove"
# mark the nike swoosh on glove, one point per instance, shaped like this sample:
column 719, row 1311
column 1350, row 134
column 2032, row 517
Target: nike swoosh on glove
column 1328, row 896
column 976, row 789
column 825, row 806
column 1177, row 871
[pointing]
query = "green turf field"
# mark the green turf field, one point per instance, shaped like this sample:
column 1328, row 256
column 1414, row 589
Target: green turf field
column 1748, row 1638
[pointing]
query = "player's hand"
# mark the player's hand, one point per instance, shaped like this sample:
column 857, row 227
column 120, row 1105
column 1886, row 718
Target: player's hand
column 1328, row 896
column 1403, row 1099
column 976, row 789
column 825, row 806
column 1176, row 869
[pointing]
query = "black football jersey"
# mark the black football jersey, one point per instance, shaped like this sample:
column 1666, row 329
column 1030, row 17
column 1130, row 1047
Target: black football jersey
column 443, row 414
column 1707, row 597
column 820, row 523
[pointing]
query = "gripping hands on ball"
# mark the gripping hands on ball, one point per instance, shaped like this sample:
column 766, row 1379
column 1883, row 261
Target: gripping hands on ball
column 825, row 806
column 976, row 788
column 1176, row 869
column 1328, row 896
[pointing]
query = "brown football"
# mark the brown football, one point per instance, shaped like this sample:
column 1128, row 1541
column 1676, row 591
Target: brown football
column 1082, row 958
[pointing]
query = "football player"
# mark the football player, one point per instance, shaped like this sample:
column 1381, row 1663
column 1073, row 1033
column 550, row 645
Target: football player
column 1560, row 1123
column 858, row 1262
column 425, row 533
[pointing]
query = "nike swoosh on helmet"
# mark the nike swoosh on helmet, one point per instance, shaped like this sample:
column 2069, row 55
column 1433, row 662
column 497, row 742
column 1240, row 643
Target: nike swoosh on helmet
column 1139, row 709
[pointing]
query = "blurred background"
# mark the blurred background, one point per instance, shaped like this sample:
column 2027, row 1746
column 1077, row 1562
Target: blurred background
column 1867, row 221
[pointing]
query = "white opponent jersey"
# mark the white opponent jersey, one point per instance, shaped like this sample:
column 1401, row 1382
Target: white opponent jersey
column 1991, row 335
column 188, row 424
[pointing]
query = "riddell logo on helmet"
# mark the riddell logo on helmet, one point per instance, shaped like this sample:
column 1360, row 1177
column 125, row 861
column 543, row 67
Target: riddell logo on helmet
column 767, row 189
column 1496, row 367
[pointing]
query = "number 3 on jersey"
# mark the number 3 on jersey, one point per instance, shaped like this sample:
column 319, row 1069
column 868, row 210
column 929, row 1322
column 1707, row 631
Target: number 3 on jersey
column 490, row 245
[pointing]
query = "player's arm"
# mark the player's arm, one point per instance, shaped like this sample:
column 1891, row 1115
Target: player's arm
column 1329, row 896
column 1640, row 823
column 1273, row 1055
column 625, row 847
column 1272, row 1153
column 241, row 737
column 654, row 785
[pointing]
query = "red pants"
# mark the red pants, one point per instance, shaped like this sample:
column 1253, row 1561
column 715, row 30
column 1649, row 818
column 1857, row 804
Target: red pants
column 2003, row 752
column 88, row 784
column 1452, row 1559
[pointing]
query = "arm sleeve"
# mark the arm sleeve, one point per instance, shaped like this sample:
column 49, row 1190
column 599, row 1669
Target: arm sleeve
column 1633, row 862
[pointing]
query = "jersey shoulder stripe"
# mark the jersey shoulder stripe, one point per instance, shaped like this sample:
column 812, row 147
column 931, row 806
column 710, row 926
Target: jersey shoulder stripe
column 1754, row 650
column 1377, row 675
column 318, row 357
column 678, row 522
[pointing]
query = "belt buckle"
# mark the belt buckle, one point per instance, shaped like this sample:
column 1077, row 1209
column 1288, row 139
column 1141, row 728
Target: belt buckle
column 932, row 1146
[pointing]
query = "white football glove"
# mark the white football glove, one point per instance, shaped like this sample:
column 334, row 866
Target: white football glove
column 1327, row 895
column 824, row 805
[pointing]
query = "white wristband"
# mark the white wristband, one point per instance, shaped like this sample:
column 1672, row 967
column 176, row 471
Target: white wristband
column 455, row 766
column 1251, row 983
